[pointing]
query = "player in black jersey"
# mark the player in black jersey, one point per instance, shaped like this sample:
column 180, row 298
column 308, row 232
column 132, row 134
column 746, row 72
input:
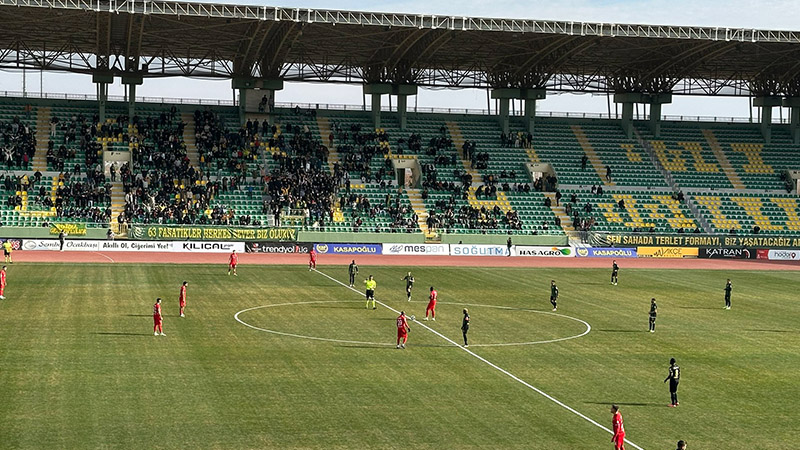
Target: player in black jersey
column 614, row 272
column 728, row 294
column 409, row 284
column 465, row 326
column 653, row 314
column 553, row 294
column 353, row 270
column 674, row 378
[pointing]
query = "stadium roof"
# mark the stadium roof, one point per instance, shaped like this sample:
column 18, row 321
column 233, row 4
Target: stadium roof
column 161, row 38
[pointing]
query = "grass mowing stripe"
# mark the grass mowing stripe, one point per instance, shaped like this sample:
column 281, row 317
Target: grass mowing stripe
column 491, row 364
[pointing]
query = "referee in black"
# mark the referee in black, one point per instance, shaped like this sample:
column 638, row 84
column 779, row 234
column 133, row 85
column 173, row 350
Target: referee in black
column 674, row 378
column 728, row 294
column 353, row 269
column 465, row 326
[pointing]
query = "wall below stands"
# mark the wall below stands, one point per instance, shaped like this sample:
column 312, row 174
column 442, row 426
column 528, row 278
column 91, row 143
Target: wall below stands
column 361, row 238
column 500, row 239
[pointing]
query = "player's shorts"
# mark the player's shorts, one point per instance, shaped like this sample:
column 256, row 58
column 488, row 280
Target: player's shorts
column 552, row 299
column 619, row 441
column 182, row 303
column 401, row 332
column 408, row 288
column 232, row 265
column 157, row 320
column 431, row 305
column 6, row 252
column 370, row 293
column 652, row 318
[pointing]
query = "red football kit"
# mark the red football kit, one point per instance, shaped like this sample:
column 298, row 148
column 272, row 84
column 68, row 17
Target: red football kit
column 312, row 262
column 2, row 281
column 234, row 260
column 432, row 305
column 402, row 329
column 157, row 317
column 182, row 298
column 619, row 432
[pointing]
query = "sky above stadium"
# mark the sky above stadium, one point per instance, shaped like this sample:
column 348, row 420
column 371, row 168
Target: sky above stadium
column 765, row 14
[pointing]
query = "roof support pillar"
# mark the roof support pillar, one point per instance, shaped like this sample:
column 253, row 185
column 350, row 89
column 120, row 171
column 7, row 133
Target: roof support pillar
column 250, row 98
column 131, row 81
column 766, row 104
column 377, row 90
column 655, row 101
column 504, row 95
column 102, row 82
column 402, row 91
column 530, row 96
column 628, row 99
column 793, row 103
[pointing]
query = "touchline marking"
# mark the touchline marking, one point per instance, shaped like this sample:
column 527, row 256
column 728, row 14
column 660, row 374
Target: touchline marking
column 492, row 365
column 301, row 336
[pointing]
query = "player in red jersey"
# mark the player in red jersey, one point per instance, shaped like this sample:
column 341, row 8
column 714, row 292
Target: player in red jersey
column 2, row 283
column 619, row 429
column 182, row 297
column 234, row 259
column 432, row 305
column 402, row 330
column 157, row 321
column 312, row 259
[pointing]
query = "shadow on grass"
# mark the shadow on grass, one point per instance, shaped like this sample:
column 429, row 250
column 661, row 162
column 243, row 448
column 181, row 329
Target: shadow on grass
column 624, row 331
column 337, row 307
column 625, row 404
column 110, row 333
column 772, row 331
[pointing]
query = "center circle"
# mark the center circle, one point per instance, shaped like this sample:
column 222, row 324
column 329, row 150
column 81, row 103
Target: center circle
column 345, row 341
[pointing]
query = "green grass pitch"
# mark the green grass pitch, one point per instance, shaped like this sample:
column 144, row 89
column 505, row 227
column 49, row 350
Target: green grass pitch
column 80, row 368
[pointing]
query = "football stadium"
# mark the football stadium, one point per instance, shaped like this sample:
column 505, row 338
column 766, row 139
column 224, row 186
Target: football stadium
column 388, row 275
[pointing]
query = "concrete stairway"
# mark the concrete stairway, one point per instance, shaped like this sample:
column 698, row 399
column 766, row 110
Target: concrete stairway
column 415, row 198
column 190, row 140
column 730, row 172
column 458, row 143
column 560, row 212
column 117, row 205
column 594, row 158
column 324, row 126
column 42, row 138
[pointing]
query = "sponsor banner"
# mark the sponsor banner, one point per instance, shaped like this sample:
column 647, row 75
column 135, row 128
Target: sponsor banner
column 762, row 253
column 540, row 251
column 782, row 255
column 72, row 229
column 666, row 252
column 478, row 250
column 85, row 245
column 692, row 240
column 277, row 247
column 349, row 249
column 209, row 233
column 16, row 244
column 416, row 249
column 605, row 252
column 205, row 247
column 727, row 253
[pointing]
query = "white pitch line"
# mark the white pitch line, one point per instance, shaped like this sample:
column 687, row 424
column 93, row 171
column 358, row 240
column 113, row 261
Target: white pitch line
column 492, row 365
